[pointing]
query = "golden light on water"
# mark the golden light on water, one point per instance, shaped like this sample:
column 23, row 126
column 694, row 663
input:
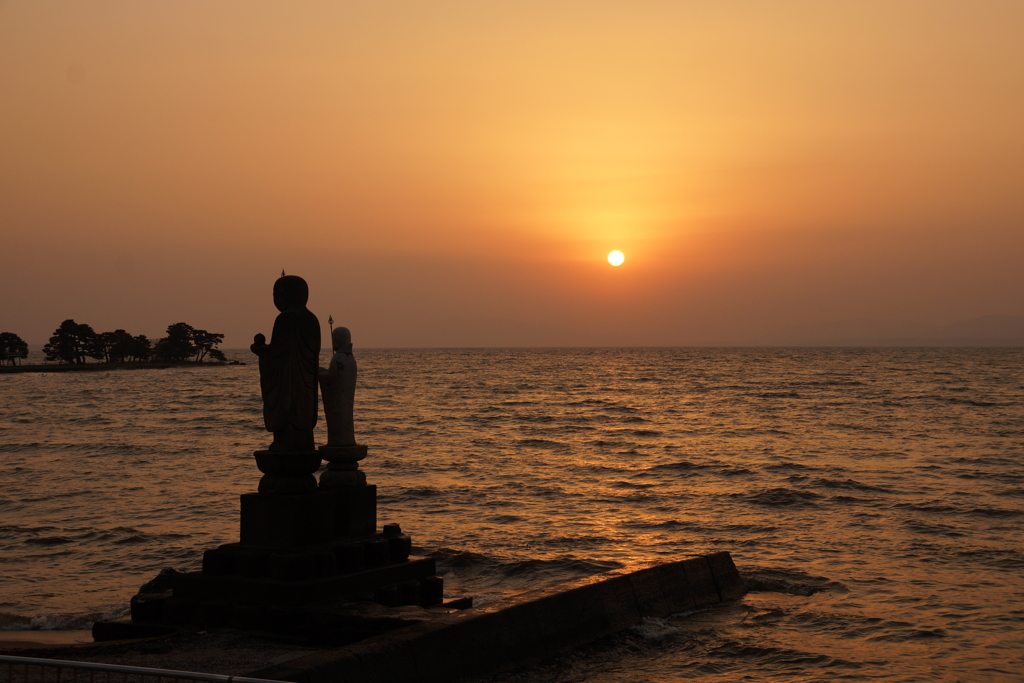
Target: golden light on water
column 616, row 258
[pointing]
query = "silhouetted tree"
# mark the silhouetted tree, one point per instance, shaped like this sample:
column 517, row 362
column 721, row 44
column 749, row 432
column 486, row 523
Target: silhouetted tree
column 101, row 345
column 118, row 346
column 141, row 349
column 71, row 343
column 205, row 343
column 177, row 345
column 184, row 341
column 11, row 347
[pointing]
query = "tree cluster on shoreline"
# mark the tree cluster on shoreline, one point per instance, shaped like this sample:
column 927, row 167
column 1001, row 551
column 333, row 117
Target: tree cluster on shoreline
column 74, row 343
column 12, row 347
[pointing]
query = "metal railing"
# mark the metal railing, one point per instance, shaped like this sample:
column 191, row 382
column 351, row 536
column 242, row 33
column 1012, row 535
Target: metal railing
column 33, row 670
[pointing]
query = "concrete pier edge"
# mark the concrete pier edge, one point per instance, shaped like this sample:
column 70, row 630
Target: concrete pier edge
column 522, row 629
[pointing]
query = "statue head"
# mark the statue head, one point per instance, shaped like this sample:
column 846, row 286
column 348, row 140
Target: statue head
column 290, row 291
column 341, row 340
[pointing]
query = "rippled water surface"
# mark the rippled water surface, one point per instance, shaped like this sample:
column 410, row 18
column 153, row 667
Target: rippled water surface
column 873, row 498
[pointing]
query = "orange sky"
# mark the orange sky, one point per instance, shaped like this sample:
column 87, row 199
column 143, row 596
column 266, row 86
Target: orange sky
column 454, row 173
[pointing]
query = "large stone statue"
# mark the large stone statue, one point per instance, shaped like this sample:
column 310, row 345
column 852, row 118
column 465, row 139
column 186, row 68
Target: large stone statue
column 338, row 387
column 288, row 368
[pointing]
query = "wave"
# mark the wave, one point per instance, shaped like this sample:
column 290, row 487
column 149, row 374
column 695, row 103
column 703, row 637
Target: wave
column 901, row 633
column 780, row 497
column 684, row 465
column 834, row 383
column 994, row 512
column 449, row 558
column 619, row 444
column 49, row 540
column 529, row 489
column 86, row 536
column 630, row 485
column 540, row 443
column 848, row 484
column 922, row 527
column 1002, row 558
column 32, row 446
column 667, row 524
column 61, row 621
column 970, row 402
column 56, row 496
column 790, row 466
column 657, row 630
column 790, row 581
column 732, row 471
column 575, row 542
column 421, row 492
column 754, row 431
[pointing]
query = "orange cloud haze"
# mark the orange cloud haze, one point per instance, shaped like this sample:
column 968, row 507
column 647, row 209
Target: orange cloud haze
column 454, row 173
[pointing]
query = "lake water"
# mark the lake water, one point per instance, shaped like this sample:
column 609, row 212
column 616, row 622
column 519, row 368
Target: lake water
column 873, row 498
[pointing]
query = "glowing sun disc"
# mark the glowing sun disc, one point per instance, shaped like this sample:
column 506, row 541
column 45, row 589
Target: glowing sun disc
column 616, row 258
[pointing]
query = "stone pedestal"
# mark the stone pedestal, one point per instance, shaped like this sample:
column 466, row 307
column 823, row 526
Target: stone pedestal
column 342, row 466
column 354, row 509
column 287, row 474
column 304, row 547
column 281, row 521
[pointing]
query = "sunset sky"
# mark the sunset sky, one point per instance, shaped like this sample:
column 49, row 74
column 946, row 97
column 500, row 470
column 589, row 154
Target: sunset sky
column 454, row 173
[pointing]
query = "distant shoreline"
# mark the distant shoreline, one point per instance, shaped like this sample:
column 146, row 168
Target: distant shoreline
column 95, row 367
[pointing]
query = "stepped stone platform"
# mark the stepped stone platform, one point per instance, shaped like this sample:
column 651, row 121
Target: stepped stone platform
column 306, row 553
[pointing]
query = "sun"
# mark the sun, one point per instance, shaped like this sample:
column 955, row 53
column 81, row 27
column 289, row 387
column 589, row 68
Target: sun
column 616, row 258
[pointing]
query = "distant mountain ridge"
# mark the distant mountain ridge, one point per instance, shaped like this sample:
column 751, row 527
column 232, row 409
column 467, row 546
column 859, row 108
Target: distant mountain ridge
column 988, row 330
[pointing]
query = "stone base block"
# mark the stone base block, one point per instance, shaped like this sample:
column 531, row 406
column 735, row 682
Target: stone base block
column 333, row 478
column 342, row 453
column 287, row 521
column 355, row 509
column 213, row 591
column 399, row 544
column 340, row 556
column 273, row 485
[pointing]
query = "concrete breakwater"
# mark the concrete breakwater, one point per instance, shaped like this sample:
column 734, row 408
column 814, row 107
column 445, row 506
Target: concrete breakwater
column 522, row 629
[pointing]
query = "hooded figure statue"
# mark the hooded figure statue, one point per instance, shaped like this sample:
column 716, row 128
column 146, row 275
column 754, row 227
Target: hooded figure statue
column 338, row 387
column 288, row 368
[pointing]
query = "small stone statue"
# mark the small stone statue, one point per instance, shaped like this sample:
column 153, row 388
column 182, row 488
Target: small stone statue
column 288, row 368
column 338, row 387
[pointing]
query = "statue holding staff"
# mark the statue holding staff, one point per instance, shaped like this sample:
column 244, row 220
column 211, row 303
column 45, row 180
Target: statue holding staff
column 288, row 368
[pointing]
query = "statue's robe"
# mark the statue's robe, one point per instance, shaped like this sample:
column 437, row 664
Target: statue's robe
column 338, row 387
column 288, row 379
